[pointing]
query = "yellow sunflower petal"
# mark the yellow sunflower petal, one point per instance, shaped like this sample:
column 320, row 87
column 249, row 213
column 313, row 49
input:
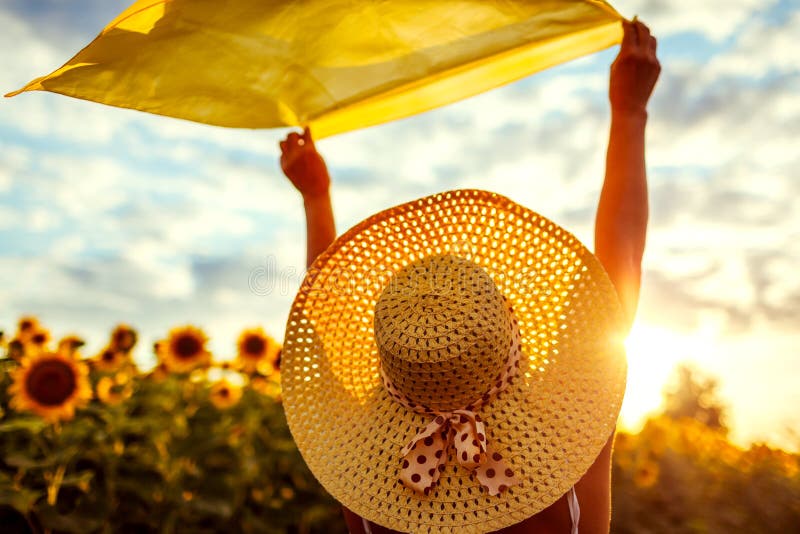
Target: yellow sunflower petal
column 69, row 345
column 36, row 341
column 224, row 394
column 109, row 360
column 123, row 338
column 26, row 326
column 51, row 386
column 114, row 390
column 257, row 351
column 184, row 349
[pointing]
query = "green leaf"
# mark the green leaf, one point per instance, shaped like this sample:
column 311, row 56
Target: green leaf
column 214, row 507
column 23, row 423
column 21, row 499
column 80, row 524
column 80, row 479
column 319, row 513
column 23, row 462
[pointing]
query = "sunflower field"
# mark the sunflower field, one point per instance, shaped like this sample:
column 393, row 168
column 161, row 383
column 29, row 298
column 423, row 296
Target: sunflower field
column 681, row 474
column 683, row 477
column 89, row 443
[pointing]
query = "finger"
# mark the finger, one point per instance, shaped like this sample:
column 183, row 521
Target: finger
column 307, row 136
column 653, row 44
column 282, row 144
column 293, row 139
column 628, row 36
column 642, row 34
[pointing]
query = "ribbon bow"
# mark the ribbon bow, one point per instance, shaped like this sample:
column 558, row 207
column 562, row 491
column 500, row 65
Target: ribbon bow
column 425, row 457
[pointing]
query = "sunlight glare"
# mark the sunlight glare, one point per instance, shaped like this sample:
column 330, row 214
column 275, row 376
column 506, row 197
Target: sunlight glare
column 653, row 354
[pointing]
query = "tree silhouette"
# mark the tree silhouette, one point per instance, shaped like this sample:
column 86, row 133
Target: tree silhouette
column 695, row 396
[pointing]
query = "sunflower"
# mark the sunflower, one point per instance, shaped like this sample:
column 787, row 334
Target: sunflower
column 69, row 345
column 123, row 338
column 646, row 474
column 113, row 390
column 40, row 338
column 26, row 326
column 108, row 360
column 256, row 351
column 184, row 350
column 36, row 341
column 224, row 394
column 15, row 350
column 50, row 385
column 226, row 366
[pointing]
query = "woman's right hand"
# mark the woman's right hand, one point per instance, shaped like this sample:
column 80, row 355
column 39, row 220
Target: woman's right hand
column 635, row 70
column 304, row 166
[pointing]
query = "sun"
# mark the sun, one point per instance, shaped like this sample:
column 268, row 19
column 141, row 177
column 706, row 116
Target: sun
column 653, row 354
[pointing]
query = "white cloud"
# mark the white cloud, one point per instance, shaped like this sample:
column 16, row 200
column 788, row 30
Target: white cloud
column 30, row 53
column 8, row 218
column 41, row 220
column 5, row 180
column 715, row 19
column 762, row 48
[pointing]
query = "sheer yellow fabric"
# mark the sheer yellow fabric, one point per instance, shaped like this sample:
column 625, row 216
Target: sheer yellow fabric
column 332, row 64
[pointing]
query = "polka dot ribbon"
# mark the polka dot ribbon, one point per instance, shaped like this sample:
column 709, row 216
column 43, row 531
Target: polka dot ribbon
column 425, row 457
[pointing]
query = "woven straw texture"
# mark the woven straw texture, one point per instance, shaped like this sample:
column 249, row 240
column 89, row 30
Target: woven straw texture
column 549, row 424
column 443, row 332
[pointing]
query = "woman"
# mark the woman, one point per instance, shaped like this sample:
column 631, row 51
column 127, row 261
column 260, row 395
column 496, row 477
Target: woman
column 620, row 232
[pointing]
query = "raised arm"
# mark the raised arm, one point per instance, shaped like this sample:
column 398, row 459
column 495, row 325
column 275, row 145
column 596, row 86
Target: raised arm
column 621, row 224
column 306, row 169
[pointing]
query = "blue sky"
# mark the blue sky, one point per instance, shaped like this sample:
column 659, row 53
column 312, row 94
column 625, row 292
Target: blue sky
column 111, row 215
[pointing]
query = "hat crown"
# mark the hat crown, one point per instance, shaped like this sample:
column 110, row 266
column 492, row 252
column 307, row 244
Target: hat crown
column 443, row 331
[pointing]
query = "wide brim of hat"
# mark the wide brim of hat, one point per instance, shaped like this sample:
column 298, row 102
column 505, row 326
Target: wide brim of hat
column 549, row 425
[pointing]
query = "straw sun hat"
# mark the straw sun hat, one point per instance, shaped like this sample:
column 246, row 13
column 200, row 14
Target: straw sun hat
column 453, row 364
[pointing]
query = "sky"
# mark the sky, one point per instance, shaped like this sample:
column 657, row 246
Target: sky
column 111, row 215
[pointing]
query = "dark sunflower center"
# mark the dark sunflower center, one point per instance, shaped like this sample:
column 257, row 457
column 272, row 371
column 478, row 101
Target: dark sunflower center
column 254, row 345
column 186, row 347
column 108, row 356
column 124, row 339
column 50, row 382
column 39, row 338
column 224, row 392
column 25, row 325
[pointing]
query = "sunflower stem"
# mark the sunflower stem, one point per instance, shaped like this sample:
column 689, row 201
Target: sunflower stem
column 55, row 484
